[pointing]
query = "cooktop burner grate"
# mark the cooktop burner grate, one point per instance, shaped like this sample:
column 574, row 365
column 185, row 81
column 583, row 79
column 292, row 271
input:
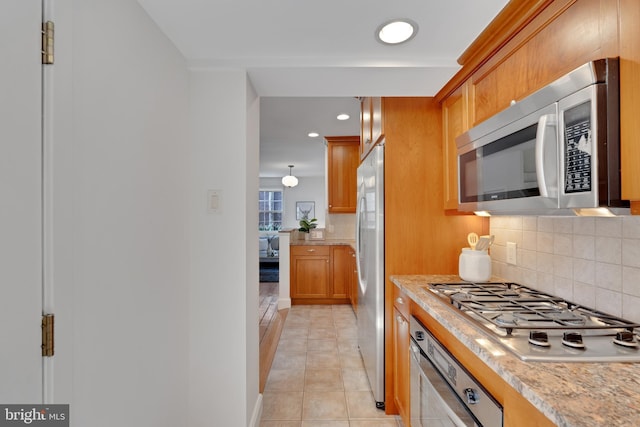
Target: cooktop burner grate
column 511, row 306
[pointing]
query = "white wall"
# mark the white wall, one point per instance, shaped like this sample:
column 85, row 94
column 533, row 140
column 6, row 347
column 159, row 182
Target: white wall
column 120, row 185
column 590, row 261
column 223, row 325
column 252, row 300
column 309, row 189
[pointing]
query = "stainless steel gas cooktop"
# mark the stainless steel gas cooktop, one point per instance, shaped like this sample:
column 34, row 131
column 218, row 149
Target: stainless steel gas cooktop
column 542, row 327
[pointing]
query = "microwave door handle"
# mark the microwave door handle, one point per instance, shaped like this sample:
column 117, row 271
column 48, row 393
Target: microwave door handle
column 542, row 138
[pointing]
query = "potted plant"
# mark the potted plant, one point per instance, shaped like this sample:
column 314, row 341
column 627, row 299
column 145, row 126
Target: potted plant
column 306, row 225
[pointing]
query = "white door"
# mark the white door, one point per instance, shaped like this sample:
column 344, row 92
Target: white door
column 20, row 202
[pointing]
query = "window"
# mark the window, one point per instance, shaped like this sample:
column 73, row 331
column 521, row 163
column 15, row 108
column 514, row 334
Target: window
column 270, row 210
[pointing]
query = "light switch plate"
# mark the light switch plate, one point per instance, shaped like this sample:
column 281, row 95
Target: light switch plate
column 214, row 201
column 512, row 253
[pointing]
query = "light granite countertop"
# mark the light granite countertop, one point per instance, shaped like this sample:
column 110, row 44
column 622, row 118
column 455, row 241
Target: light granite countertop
column 327, row 242
column 569, row 394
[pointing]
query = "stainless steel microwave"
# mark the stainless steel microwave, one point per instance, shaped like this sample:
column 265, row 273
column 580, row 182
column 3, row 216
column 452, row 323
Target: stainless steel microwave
column 558, row 148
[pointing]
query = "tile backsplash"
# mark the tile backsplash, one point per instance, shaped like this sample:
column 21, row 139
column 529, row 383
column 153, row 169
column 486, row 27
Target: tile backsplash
column 340, row 226
column 593, row 261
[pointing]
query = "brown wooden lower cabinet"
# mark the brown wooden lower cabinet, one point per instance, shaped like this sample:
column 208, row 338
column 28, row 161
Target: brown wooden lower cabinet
column 402, row 363
column 401, row 354
column 320, row 274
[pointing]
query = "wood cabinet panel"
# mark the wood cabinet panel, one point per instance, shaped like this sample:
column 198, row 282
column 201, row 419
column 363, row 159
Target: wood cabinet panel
column 342, row 167
column 377, row 123
column 630, row 100
column 401, row 302
column 402, row 366
column 371, row 123
column 342, row 271
column 455, row 121
column 419, row 236
column 566, row 35
column 310, row 276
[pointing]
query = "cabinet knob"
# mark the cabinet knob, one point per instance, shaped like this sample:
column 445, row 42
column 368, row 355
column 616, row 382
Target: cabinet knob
column 311, row 250
column 401, row 320
column 399, row 300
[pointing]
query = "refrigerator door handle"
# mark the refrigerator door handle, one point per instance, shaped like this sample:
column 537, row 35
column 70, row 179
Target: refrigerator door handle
column 360, row 212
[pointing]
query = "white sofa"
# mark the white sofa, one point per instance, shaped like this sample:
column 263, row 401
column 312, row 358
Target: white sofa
column 264, row 246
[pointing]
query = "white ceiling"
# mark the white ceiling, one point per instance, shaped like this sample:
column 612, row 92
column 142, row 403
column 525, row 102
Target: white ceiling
column 302, row 49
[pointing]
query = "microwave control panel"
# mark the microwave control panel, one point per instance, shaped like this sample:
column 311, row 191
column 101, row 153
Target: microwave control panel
column 578, row 149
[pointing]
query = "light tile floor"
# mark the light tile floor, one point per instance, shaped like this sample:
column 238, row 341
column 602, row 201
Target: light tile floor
column 317, row 378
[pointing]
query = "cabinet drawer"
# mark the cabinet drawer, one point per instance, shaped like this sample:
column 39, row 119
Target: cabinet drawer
column 302, row 250
column 401, row 302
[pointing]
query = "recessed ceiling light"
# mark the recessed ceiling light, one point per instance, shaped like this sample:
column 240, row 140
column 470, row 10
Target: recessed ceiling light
column 343, row 116
column 396, row 31
column 314, row 134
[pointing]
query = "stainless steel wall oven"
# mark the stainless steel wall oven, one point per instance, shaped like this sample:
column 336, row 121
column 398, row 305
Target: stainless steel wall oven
column 443, row 393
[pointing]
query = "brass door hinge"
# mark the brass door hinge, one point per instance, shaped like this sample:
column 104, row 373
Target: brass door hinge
column 47, row 335
column 47, row 42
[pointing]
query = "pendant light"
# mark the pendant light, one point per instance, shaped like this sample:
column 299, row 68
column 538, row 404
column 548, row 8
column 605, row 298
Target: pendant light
column 290, row 180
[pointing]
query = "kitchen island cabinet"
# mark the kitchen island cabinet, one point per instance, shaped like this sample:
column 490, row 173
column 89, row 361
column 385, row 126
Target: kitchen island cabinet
column 536, row 394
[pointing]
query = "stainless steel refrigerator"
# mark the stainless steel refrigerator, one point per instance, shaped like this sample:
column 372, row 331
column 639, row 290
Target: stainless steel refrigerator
column 370, row 256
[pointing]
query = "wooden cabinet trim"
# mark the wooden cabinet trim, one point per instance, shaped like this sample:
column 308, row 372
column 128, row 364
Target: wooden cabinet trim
column 513, row 21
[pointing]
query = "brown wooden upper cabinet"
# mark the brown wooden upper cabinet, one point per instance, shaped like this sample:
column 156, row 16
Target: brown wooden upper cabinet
column 371, row 124
column 509, row 61
column 455, row 121
column 342, row 167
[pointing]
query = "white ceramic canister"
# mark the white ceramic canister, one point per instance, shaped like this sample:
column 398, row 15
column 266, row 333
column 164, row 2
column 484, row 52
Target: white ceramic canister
column 474, row 266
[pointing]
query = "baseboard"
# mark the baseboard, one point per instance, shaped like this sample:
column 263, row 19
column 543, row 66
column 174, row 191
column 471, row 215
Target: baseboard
column 284, row 303
column 257, row 412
